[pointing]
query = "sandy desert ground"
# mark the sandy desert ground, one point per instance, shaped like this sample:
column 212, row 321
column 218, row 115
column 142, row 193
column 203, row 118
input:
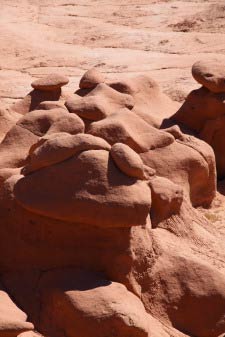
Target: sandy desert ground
column 161, row 37
column 119, row 37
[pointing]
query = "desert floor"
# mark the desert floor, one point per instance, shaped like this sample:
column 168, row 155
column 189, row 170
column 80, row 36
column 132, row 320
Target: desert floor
column 120, row 37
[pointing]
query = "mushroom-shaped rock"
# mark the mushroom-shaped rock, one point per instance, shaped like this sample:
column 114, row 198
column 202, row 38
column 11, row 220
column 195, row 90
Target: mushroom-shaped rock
column 57, row 149
column 50, row 82
column 167, row 198
column 128, row 161
column 84, row 304
column 211, row 74
column 91, row 78
column 12, row 319
column 87, row 188
column 33, row 99
column 99, row 103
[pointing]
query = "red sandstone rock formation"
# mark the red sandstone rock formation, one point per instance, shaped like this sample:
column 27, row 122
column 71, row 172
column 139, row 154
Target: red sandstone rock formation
column 204, row 109
column 99, row 235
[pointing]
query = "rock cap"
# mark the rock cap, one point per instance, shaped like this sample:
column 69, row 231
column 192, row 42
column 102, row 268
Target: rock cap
column 211, row 74
column 91, row 78
column 50, row 82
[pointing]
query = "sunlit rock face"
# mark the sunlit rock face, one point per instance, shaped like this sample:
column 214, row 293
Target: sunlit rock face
column 99, row 235
column 204, row 109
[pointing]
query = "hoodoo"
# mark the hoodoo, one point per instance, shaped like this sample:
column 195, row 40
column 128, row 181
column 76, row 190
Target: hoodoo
column 100, row 232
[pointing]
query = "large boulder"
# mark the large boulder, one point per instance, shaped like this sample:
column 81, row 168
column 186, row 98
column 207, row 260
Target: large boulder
column 92, row 191
column 85, row 304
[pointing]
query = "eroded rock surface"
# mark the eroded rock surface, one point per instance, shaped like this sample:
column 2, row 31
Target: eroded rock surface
column 99, row 234
column 13, row 321
column 204, row 108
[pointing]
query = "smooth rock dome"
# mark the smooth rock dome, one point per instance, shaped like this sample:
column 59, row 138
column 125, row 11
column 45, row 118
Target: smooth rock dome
column 50, row 82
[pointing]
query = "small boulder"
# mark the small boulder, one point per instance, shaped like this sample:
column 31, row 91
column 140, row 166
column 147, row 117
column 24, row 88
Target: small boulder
column 91, row 78
column 50, row 82
column 57, row 149
column 127, row 160
column 210, row 74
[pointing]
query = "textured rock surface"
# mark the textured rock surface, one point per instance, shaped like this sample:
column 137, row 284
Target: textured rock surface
column 176, row 268
column 204, row 109
column 113, row 198
column 127, row 127
column 50, row 82
column 12, row 319
column 84, row 304
column 91, row 78
column 90, row 191
column 99, row 103
column 167, row 198
column 210, row 74
column 127, row 160
column 57, row 149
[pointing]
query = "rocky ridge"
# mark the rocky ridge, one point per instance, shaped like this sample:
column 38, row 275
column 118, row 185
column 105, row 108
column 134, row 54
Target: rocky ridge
column 100, row 234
